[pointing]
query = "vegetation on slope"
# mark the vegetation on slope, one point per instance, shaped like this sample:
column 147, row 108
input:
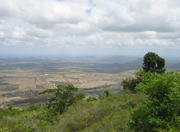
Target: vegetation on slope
column 162, row 107
column 152, row 104
column 110, row 113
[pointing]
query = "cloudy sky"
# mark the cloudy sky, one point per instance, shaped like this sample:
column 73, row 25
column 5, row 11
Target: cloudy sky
column 89, row 27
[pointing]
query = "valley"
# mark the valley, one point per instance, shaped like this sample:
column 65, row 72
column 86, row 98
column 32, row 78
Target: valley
column 22, row 79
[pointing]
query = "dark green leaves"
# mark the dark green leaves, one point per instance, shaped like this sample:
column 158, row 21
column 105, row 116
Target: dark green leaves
column 162, row 108
column 153, row 63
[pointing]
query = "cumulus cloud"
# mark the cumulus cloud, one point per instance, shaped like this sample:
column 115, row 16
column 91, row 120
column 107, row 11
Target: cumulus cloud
column 114, row 26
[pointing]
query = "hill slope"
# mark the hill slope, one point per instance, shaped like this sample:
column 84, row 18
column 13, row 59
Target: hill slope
column 108, row 114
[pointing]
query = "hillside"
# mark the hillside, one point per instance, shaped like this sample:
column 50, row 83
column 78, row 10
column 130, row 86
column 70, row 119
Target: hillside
column 145, row 101
column 103, row 115
column 140, row 110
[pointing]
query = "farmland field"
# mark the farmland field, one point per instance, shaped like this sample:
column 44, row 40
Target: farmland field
column 21, row 80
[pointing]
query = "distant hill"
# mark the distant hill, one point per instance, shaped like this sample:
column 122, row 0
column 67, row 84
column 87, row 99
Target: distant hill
column 109, row 64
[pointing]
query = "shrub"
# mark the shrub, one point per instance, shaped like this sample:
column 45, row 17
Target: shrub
column 131, row 83
column 106, row 93
column 91, row 99
column 162, row 108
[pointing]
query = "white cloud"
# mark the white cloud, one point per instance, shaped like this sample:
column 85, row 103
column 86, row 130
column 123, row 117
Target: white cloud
column 97, row 24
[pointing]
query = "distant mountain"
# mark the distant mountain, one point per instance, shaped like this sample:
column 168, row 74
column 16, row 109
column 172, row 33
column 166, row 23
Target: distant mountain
column 110, row 64
column 118, row 59
column 171, row 63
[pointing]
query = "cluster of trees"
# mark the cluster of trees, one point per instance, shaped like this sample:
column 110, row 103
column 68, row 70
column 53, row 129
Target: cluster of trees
column 153, row 63
column 161, row 110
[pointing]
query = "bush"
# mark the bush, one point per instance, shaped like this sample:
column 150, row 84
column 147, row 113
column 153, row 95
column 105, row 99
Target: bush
column 162, row 108
column 106, row 93
column 91, row 99
column 131, row 83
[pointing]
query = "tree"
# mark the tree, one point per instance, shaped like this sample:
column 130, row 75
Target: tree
column 153, row 63
column 162, row 108
column 63, row 96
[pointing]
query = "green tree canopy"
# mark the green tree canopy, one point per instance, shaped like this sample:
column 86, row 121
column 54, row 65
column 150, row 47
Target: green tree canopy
column 63, row 95
column 153, row 63
column 162, row 108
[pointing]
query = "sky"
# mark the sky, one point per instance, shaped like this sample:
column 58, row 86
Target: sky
column 89, row 27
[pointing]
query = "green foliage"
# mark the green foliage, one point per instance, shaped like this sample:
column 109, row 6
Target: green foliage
column 26, row 120
column 153, row 63
column 131, row 83
column 114, row 122
column 103, row 115
column 162, row 108
column 91, row 99
column 79, row 97
column 160, row 112
column 108, row 114
column 9, row 111
column 63, row 96
column 106, row 93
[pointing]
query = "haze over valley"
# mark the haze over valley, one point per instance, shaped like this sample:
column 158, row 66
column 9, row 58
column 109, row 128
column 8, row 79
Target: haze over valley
column 21, row 79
